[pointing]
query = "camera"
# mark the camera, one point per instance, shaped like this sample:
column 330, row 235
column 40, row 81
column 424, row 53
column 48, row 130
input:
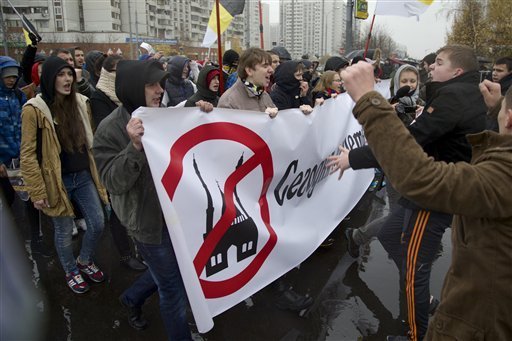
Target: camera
column 405, row 109
column 406, row 113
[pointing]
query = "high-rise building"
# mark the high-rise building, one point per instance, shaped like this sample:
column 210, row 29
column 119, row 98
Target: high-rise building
column 275, row 36
column 312, row 27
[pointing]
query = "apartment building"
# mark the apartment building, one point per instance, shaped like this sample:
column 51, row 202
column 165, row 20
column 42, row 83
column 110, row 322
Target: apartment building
column 314, row 27
column 114, row 21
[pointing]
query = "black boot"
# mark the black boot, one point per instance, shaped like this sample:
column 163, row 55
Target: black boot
column 135, row 318
column 133, row 263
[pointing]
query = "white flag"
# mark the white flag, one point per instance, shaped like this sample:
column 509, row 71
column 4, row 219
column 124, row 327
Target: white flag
column 403, row 8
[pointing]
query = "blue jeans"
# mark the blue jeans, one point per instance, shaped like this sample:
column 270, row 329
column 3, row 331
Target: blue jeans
column 163, row 275
column 82, row 190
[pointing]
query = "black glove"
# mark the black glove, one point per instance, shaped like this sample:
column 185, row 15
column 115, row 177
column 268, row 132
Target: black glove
column 33, row 38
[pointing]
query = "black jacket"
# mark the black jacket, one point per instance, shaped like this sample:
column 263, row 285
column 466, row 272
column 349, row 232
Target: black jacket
column 101, row 107
column 286, row 91
column 454, row 109
column 505, row 83
column 203, row 92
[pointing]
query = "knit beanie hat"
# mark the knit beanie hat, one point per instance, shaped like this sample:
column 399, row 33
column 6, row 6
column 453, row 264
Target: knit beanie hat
column 230, row 57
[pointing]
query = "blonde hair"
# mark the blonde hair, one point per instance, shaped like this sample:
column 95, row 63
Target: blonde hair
column 325, row 81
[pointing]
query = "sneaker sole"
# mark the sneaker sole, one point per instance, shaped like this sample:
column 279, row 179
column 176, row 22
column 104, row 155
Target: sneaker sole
column 92, row 279
column 78, row 291
column 89, row 277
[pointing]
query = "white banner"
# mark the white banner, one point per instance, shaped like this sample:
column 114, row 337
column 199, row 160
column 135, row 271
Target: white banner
column 247, row 197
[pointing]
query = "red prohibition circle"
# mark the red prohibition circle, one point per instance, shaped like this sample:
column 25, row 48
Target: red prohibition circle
column 262, row 157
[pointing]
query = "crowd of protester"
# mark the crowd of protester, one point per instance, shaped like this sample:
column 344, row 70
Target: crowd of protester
column 65, row 120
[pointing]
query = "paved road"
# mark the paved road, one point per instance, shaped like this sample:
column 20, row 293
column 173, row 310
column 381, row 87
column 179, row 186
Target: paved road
column 355, row 299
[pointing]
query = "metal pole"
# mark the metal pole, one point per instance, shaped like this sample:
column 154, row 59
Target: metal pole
column 348, row 29
column 219, row 48
column 262, row 45
column 131, row 33
column 369, row 37
column 137, row 28
column 322, row 52
column 293, row 29
column 4, row 28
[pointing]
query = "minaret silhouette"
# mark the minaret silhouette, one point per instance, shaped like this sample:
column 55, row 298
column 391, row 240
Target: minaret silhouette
column 243, row 232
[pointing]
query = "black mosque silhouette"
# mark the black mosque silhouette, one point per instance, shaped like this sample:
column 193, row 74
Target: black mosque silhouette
column 243, row 233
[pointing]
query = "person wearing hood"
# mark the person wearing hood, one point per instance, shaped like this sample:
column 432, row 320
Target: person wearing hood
column 290, row 90
column 124, row 170
column 146, row 51
column 178, row 87
column 58, row 167
column 83, row 85
column 32, row 89
column 407, row 105
column 93, row 70
column 283, row 54
column 11, row 101
column 207, row 87
column 103, row 102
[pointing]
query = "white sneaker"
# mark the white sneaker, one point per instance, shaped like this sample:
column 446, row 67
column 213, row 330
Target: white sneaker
column 80, row 223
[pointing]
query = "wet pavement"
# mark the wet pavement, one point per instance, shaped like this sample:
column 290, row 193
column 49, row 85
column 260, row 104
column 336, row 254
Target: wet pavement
column 355, row 299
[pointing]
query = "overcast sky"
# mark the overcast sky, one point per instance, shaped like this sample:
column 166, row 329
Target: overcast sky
column 420, row 37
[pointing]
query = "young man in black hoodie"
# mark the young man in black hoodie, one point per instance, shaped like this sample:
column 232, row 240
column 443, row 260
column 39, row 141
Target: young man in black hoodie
column 290, row 90
column 124, row 170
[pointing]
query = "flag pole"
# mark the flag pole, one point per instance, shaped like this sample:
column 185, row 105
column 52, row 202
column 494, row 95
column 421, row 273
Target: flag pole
column 262, row 44
column 369, row 37
column 219, row 48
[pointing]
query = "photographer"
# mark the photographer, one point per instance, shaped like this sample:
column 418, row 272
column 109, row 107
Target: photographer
column 405, row 99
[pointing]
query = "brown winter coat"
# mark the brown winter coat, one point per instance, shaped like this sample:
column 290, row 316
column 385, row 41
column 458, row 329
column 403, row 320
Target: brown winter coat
column 45, row 181
column 239, row 97
column 476, row 301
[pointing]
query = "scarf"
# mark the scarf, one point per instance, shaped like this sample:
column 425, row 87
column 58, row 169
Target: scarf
column 255, row 90
column 330, row 92
column 107, row 84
